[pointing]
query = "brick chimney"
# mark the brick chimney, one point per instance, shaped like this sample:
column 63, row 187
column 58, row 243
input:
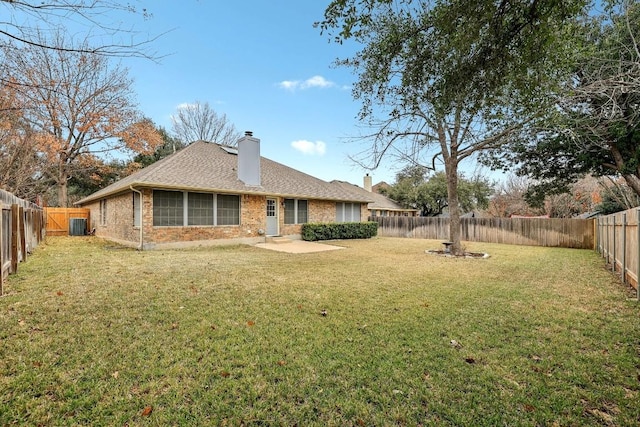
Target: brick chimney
column 249, row 159
column 367, row 182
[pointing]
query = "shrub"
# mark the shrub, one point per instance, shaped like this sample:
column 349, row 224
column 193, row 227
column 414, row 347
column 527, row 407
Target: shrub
column 342, row 230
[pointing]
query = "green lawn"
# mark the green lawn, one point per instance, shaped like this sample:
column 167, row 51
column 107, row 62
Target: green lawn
column 92, row 333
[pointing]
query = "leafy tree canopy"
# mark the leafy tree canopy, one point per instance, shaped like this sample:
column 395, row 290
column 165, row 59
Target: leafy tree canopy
column 449, row 79
column 414, row 188
column 596, row 126
column 169, row 146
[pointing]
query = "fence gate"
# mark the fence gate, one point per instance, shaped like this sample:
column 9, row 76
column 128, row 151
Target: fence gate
column 58, row 219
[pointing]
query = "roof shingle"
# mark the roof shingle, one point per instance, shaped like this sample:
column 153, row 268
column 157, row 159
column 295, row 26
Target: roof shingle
column 209, row 167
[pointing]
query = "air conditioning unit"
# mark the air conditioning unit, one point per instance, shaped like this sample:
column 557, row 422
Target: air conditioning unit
column 77, row 226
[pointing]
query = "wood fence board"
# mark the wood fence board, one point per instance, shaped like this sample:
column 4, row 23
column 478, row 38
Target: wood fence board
column 570, row 233
column 617, row 240
column 57, row 219
column 14, row 238
column 21, row 229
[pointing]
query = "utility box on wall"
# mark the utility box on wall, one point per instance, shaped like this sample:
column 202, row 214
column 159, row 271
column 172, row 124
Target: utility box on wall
column 77, row 226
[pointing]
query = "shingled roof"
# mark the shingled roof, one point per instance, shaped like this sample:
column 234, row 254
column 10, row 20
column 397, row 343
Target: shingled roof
column 210, row 167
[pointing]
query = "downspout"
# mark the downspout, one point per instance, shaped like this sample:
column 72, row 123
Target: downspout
column 141, row 244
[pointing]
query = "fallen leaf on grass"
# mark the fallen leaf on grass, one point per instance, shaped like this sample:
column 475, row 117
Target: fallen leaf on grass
column 115, row 375
column 225, row 374
column 251, row 323
column 37, row 364
column 470, row 360
column 59, row 293
column 174, row 326
column 20, row 322
column 529, row 408
column 281, row 362
column 147, row 411
column 455, row 344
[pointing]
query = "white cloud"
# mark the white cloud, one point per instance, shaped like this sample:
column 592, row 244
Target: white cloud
column 316, row 81
column 312, row 82
column 289, row 84
column 317, row 148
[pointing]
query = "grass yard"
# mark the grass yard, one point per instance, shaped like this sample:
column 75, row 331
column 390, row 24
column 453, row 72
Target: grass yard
column 96, row 334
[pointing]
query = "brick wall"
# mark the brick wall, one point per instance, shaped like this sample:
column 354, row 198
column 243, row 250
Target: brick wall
column 119, row 221
column 119, row 225
column 252, row 219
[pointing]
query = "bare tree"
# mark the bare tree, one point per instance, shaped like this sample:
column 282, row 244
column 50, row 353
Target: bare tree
column 200, row 122
column 24, row 21
column 509, row 199
column 77, row 105
column 21, row 164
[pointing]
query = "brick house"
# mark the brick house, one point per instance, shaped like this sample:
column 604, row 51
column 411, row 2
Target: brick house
column 208, row 193
column 380, row 204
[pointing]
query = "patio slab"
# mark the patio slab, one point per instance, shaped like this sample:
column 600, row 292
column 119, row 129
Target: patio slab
column 298, row 247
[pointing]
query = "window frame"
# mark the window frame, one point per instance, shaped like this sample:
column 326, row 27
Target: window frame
column 103, row 211
column 221, row 210
column 192, row 197
column 136, row 201
column 345, row 212
column 300, row 215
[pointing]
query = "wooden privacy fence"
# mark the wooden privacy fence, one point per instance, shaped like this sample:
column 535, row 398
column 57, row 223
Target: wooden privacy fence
column 21, row 230
column 555, row 232
column 617, row 238
column 58, row 219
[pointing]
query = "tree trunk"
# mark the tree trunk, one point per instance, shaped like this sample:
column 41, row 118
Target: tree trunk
column 633, row 182
column 451, row 169
column 62, row 191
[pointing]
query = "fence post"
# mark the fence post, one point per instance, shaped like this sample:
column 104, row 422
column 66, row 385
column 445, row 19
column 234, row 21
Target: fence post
column 638, row 253
column 613, row 241
column 2, row 249
column 22, row 230
column 606, row 241
column 15, row 221
column 624, row 248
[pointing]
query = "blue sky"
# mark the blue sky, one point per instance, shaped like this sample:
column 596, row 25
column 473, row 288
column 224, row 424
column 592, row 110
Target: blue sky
column 264, row 66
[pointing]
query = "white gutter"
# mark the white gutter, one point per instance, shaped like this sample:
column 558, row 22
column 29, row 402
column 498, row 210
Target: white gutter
column 141, row 244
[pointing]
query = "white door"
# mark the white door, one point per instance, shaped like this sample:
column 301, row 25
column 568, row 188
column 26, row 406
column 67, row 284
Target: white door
column 272, row 217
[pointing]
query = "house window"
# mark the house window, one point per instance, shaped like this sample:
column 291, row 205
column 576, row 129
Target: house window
column 136, row 209
column 177, row 208
column 168, row 208
column 103, row 212
column 296, row 211
column 200, row 209
column 347, row 212
column 228, row 210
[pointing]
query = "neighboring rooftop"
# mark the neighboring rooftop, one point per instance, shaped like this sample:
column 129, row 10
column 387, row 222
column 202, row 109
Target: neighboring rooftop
column 378, row 201
column 211, row 167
